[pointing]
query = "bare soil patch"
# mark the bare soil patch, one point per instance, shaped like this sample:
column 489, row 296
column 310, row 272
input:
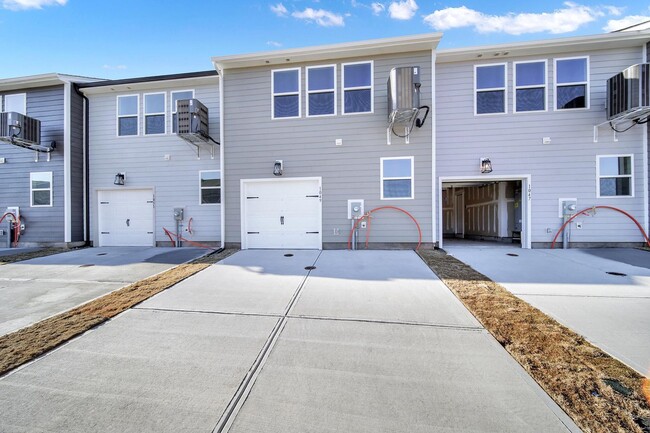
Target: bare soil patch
column 28, row 343
column 598, row 392
column 13, row 258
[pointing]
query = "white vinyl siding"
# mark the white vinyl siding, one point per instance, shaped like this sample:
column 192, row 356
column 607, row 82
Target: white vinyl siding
column 175, row 97
column 490, row 94
column 572, row 83
column 358, row 87
column 285, row 99
column 155, row 109
column 128, row 111
column 530, row 86
column 397, row 178
column 615, row 175
column 16, row 103
column 40, row 189
column 321, row 90
column 210, row 187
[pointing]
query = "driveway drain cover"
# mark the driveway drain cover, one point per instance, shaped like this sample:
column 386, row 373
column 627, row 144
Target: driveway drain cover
column 86, row 265
column 102, row 254
column 618, row 274
column 512, row 255
column 310, row 268
column 288, row 255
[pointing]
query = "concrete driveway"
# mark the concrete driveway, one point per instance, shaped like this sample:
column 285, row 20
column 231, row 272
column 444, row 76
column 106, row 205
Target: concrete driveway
column 32, row 290
column 574, row 287
column 366, row 341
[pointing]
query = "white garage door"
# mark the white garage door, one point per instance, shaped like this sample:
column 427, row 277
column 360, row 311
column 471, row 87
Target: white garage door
column 126, row 217
column 283, row 213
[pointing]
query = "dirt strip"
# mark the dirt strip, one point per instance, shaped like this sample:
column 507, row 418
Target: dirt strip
column 13, row 258
column 597, row 391
column 28, row 343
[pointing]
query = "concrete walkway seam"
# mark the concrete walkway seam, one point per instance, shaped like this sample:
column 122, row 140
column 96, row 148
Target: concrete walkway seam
column 389, row 322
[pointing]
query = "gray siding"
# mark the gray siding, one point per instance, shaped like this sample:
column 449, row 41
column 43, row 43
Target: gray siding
column 564, row 168
column 43, row 224
column 175, row 181
column 253, row 141
column 76, row 166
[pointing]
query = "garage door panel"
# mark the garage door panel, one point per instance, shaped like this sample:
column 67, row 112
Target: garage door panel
column 126, row 218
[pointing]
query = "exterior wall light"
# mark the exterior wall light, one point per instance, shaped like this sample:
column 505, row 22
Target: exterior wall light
column 120, row 178
column 486, row 165
column 277, row 168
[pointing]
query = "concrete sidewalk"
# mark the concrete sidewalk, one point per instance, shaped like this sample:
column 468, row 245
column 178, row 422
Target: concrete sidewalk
column 368, row 341
column 574, row 287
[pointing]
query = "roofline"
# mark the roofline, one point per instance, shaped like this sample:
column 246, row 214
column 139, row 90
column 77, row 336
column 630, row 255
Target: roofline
column 546, row 45
column 427, row 41
column 42, row 80
column 150, row 79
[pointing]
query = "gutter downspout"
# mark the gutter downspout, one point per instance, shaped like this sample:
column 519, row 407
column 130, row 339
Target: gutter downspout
column 221, row 157
column 86, row 146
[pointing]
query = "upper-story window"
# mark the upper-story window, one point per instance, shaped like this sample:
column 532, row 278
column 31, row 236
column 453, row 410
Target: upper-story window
column 490, row 85
column 615, row 175
column 572, row 83
column 178, row 96
column 357, row 87
column 530, row 86
column 321, row 90
column 16, row 102
column 286, row 93
column 154, row 113
column 396, row 178
column 127, row 115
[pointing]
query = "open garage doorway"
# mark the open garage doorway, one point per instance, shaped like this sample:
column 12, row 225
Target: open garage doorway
column 484, row 210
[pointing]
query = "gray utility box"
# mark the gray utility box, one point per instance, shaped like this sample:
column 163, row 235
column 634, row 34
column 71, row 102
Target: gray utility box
column 403, row 93
column 628, row 92
column 192, row 118
column 20, row 129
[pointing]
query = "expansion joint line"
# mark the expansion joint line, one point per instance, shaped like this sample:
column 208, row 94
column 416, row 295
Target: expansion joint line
column 246, row 385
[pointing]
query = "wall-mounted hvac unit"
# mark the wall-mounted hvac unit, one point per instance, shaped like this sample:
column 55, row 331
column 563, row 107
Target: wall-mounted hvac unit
column 22, row 131
column 628, row 94
column 192, row 123
column 404, row 102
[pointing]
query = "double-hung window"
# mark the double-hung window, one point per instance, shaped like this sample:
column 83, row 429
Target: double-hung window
column 127, row 115
column 286, row 93
column 210, row 186
column 530, row 86
column 396, row 178
column 615, row 175
column 16, row 103
column 154, row 113
column 572, row 83
column 40, row 189
column 357, row 87
column 321, row 90
column 178, row 96
column 490, row 85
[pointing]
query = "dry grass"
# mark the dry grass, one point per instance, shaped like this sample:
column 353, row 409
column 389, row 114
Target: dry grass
column 13, row 258
column 567, row 367
column 28, row 343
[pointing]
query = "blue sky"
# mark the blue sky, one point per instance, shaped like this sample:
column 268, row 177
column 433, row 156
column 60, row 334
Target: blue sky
column 120, row 38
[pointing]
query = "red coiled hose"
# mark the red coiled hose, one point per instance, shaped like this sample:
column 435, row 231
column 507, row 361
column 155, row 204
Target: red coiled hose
column 367, row 216
column 17, row 229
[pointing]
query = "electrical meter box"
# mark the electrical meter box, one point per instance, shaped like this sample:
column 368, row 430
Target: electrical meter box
column 178, row 214
column 15, row 210
column 355, row 209
column 567, row 207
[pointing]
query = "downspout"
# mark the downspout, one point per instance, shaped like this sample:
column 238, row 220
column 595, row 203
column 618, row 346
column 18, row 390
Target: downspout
column 86, row 146
column 221, row 157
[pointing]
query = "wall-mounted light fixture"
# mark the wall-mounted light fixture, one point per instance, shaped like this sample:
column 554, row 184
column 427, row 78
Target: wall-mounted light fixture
column 120, row 178
column 486, row 165
column 277, row 168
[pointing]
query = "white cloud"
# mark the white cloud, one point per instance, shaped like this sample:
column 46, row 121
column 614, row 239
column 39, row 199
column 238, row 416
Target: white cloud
column 273, row 44
column 16, row 5
column 377, row 8
column 565, row 20
column 402, row 10
column 613, row 25
column 279, row 10
column 114, row 67
column 320, row 16
column 614, row 10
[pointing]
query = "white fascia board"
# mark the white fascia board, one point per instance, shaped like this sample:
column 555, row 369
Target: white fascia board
column 425, row 42
column 150, row 85
column 42, row 80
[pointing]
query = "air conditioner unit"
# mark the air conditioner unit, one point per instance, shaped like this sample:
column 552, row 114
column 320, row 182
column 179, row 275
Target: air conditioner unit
column 20, row 130
column 192, row 118
column 404, row 101
column 628, row 93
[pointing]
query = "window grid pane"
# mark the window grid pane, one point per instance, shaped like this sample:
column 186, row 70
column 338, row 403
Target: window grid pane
column 397, row 188
column 490, row 102
column 286, row 81
column 321, row 78
column 286, row 106
column 491, row 77
column 154, row 104
column 321, row 103
column 531, row 99
column 154, row 124
column 531, row 74
column 571, row 71
column 357, row 101
column 128, row 126
column 41, row 198
column 571, row 97
column 127, row 105
column 358, row 75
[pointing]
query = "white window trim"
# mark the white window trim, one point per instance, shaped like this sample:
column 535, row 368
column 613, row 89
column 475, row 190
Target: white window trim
column 537, row 86
column 371, row 87
column 163, row 113
column 174, row 108
column 631, row 175
column 117, row 117
column 31, row 189
column 492, row 89
column 24, row 98
column 382, row 178
column 576, row 83
column 201, row 188
column 273, row 94
column 309, row 92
